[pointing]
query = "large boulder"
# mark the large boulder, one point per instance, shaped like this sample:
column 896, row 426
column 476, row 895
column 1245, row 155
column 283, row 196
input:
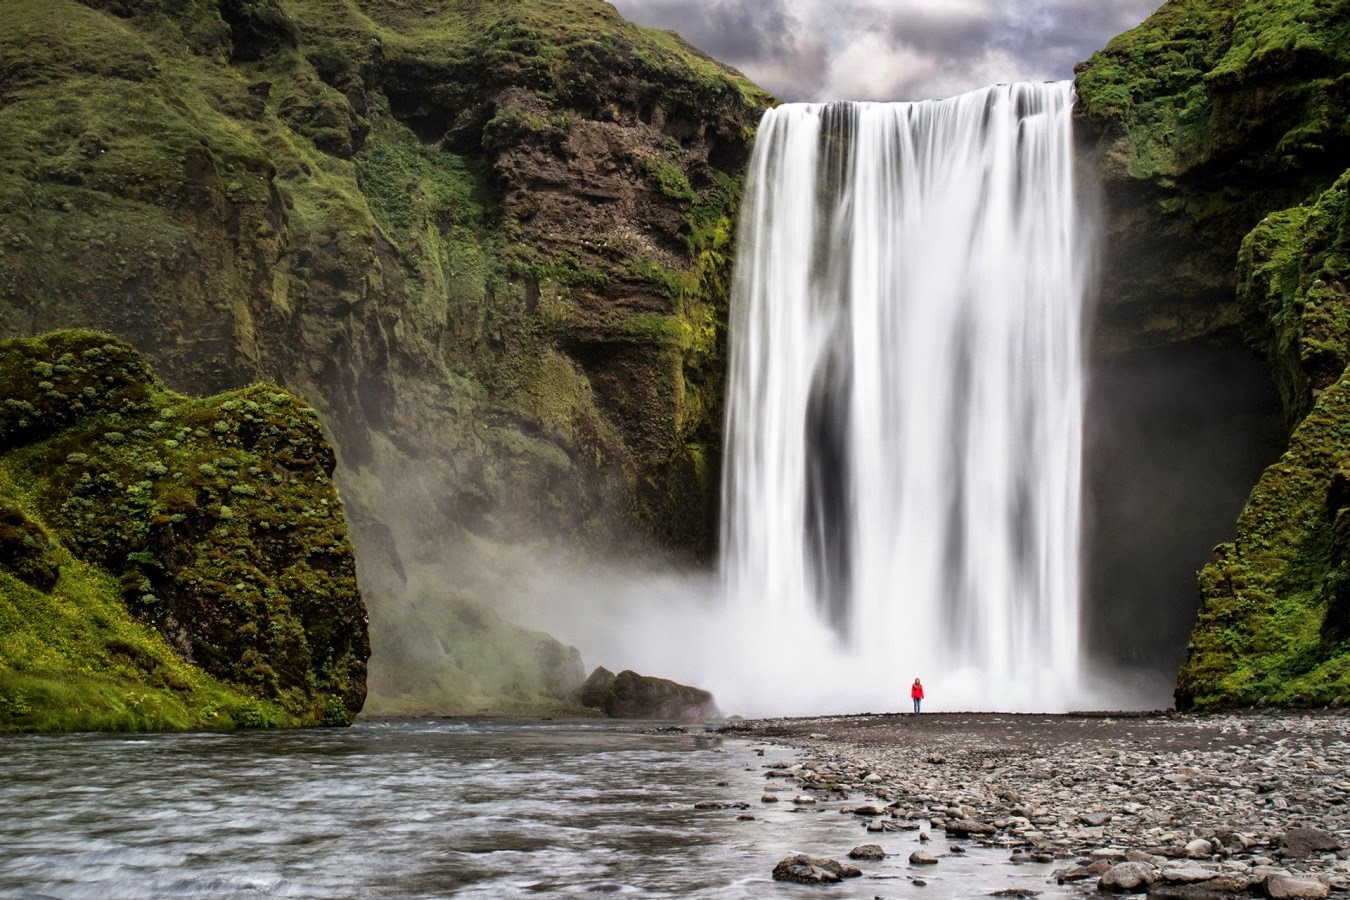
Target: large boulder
column 629, row 695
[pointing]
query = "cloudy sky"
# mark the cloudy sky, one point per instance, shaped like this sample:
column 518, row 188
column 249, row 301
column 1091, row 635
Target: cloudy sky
column 892, row 49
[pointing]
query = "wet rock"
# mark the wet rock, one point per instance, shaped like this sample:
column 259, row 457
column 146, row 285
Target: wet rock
column 922, row 858
column 745, row 817
column 1072, row 873
column 1287, row 887
column 804, row 801
column 805, row 869
column 968, row 827
column 885, row 826
column 864, row 811
column 1126, row 877
column 867, row 851
column 1297, row 843
column 768, row 798
column 1101, row 867
column 1016, row 892
column 634, row 696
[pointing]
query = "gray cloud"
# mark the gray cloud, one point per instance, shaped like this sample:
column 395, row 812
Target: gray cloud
column 892, row 49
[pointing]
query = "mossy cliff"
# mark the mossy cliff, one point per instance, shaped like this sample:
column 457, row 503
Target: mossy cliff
column 167, row 561
column 489, row 242
column 1220, row 129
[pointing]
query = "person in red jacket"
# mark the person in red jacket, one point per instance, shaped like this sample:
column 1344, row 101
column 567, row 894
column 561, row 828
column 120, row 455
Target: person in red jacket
column 916, row 693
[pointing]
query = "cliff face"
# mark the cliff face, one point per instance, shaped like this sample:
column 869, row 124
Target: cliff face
column 167, row 561
column 1220, row 131
column 488, row 241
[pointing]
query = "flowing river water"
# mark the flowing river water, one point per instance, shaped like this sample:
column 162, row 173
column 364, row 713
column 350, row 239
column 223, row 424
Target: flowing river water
column 437, row 809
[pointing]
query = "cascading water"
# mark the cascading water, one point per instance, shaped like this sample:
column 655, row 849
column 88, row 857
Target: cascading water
column 904, row 417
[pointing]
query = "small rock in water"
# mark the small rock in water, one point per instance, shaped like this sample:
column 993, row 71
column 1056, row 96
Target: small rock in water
column 805, row 869
column 1016, row 892
column 804, row 801
column 921, row 858
column 956, row 848
column 867, row 851
column 745, row 817
column 918, row 882
column 768, row 798
column 1072, row 873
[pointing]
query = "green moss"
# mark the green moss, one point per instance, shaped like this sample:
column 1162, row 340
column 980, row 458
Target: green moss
column 137, row 518
column 334, row 195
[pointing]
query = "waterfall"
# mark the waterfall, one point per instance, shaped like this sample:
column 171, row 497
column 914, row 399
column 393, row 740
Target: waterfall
column 905, row 398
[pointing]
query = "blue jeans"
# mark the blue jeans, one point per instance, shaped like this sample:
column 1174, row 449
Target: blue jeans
column 917, row 701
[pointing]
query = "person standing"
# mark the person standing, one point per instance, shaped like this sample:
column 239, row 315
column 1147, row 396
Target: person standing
column 916, row 693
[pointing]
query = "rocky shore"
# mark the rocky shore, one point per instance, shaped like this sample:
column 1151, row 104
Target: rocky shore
column 1178, row 806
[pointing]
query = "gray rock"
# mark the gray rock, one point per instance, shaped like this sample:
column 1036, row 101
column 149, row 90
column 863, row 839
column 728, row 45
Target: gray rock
column 1199, row 849
column 1300, row 842
column 768, row 798
column 805, row 869
column 867, row 851
column 967, row 827
column 1072, row 873
column 922, row 858
column 1187, row 874
column 1127, row 877
column 1287, row 887
column 1095, row 819
column 1100, row 867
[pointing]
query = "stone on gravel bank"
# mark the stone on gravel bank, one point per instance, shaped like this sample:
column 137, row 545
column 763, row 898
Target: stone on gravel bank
column 1207, row 805
column 1126, row 877
column 1284, row 887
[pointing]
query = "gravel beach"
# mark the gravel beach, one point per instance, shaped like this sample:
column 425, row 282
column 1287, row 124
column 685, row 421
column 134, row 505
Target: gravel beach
column 1222, row 805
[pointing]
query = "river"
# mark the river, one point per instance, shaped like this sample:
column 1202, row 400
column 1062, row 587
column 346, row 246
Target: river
column 435, row 808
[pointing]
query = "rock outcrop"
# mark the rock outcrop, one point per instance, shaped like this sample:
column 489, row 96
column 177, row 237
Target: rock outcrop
column 490, row 243
column 1219, row 129
column 167, row 561
column 629, row 695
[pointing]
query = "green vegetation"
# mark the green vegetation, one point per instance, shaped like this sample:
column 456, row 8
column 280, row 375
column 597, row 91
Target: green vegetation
column 1218, row 126
column 489, row 242
column 165, row 561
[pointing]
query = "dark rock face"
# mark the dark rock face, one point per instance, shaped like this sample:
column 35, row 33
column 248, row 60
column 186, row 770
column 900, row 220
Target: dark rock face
column 216, row 519
column 596, row 688
column 1213, row 127
column 490, row 243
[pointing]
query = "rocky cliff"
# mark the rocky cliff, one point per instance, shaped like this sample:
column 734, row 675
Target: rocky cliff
column 167, row 561
column 489, row 242
column 1220, row 129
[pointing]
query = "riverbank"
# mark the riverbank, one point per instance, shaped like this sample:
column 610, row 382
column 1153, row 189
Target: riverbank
column 1199, row 806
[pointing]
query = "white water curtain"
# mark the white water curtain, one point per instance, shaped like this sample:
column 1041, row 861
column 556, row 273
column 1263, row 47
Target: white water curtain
column 905, row 403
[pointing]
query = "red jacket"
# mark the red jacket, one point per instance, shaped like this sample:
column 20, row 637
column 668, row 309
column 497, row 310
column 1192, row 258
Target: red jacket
column 916, row 692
